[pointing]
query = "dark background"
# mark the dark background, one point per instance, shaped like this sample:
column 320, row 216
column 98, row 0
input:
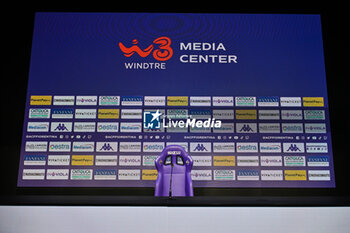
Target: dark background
column 17, row 22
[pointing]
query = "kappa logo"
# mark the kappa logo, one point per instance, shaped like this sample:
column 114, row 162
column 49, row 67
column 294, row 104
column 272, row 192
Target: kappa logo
column 200, row 147
column 293, row 147
column 246, row 128
column 163, row 53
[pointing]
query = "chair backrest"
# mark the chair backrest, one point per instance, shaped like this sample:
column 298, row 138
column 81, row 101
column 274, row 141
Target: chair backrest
column 174, row 167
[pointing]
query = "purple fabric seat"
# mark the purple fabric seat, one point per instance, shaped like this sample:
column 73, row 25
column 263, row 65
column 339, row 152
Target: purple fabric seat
column 174, row 167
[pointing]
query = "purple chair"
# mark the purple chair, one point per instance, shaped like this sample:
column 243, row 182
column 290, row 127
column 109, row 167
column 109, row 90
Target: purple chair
column 174, row 167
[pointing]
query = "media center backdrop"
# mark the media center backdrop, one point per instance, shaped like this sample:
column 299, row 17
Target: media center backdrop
column 107, row 91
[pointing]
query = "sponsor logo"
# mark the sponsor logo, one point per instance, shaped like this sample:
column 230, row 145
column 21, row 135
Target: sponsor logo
column 109, row 100
column 177, row 101
column 106, row 160
column 291, row 114
column 81, row 174
column 318, row 161
column 268, row 101
column 248, row 175
column 61, row 127
column 85, row 113
column 292, row 128
column 315, row 128
column 270, row 147
column 223, row 114
column 295, row 174
column 130, row 127
column 58, row 160
column 130, row 147
column 201, row 174
column 149, row 160
column 163, row 53
column 132, row 100
column 108, row 113
column 246, row 114
column 38, row 127
column 177, row 113
column 271, row 161
column 129, row 160
column 84, row 126
column 39, row 113
column 111, row 127
column 60, row 146
column 247, row 160
column 36, row 146
column 223, row 175
column 224, row 147
column 245, row 101
column 200, row 101
column 34, row 160
column 63, row 100
column 200, row 114
column 153, row 146
column 223, row 101
column 129, row 174
column 317, row 175
column 201, row 161
column 106, row 146
column 57, row 174
column 224, row 128
column 183, row 144
column 86, row 100
column 131, row 114
column 269, row 114
column 313, row 102
column 271, row 175
column 200, row 147
column 269, row 128
column 196, row 129
column 148, row 174
column 294, row 161
column 62, row 113
column 247, row 147
column 290, row 101
column 40, row 100
column 154, row 100
column 224, row 161
column 33, row 174
column 314, row 115
column 246, row 128
column 293, row 147
column 316, row 147
column 83, row 146
column 105, row 174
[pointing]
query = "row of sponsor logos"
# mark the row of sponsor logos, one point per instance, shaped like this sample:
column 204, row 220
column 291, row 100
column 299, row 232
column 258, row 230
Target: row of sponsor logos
column 196, row 175
column 242, row 101
column 137, row 127
column 194, row 147
column 198, row 161
column 220, row 114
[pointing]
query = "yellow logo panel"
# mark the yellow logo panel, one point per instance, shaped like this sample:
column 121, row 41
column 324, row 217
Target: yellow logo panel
column 82, row 160
column 246, row 114
column 313, row 102
column 295, row 175
column 108, row 114
column 224, row 161
column 177, row 100
column 40, row 100
column 149, row 174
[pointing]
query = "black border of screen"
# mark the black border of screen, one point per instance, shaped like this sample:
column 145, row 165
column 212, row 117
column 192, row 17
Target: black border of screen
column 19, row 31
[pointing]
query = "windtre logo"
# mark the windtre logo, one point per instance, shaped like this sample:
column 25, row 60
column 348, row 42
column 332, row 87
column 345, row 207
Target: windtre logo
column 161, row 52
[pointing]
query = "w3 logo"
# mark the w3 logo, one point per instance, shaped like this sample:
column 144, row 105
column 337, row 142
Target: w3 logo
column 163, row 51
